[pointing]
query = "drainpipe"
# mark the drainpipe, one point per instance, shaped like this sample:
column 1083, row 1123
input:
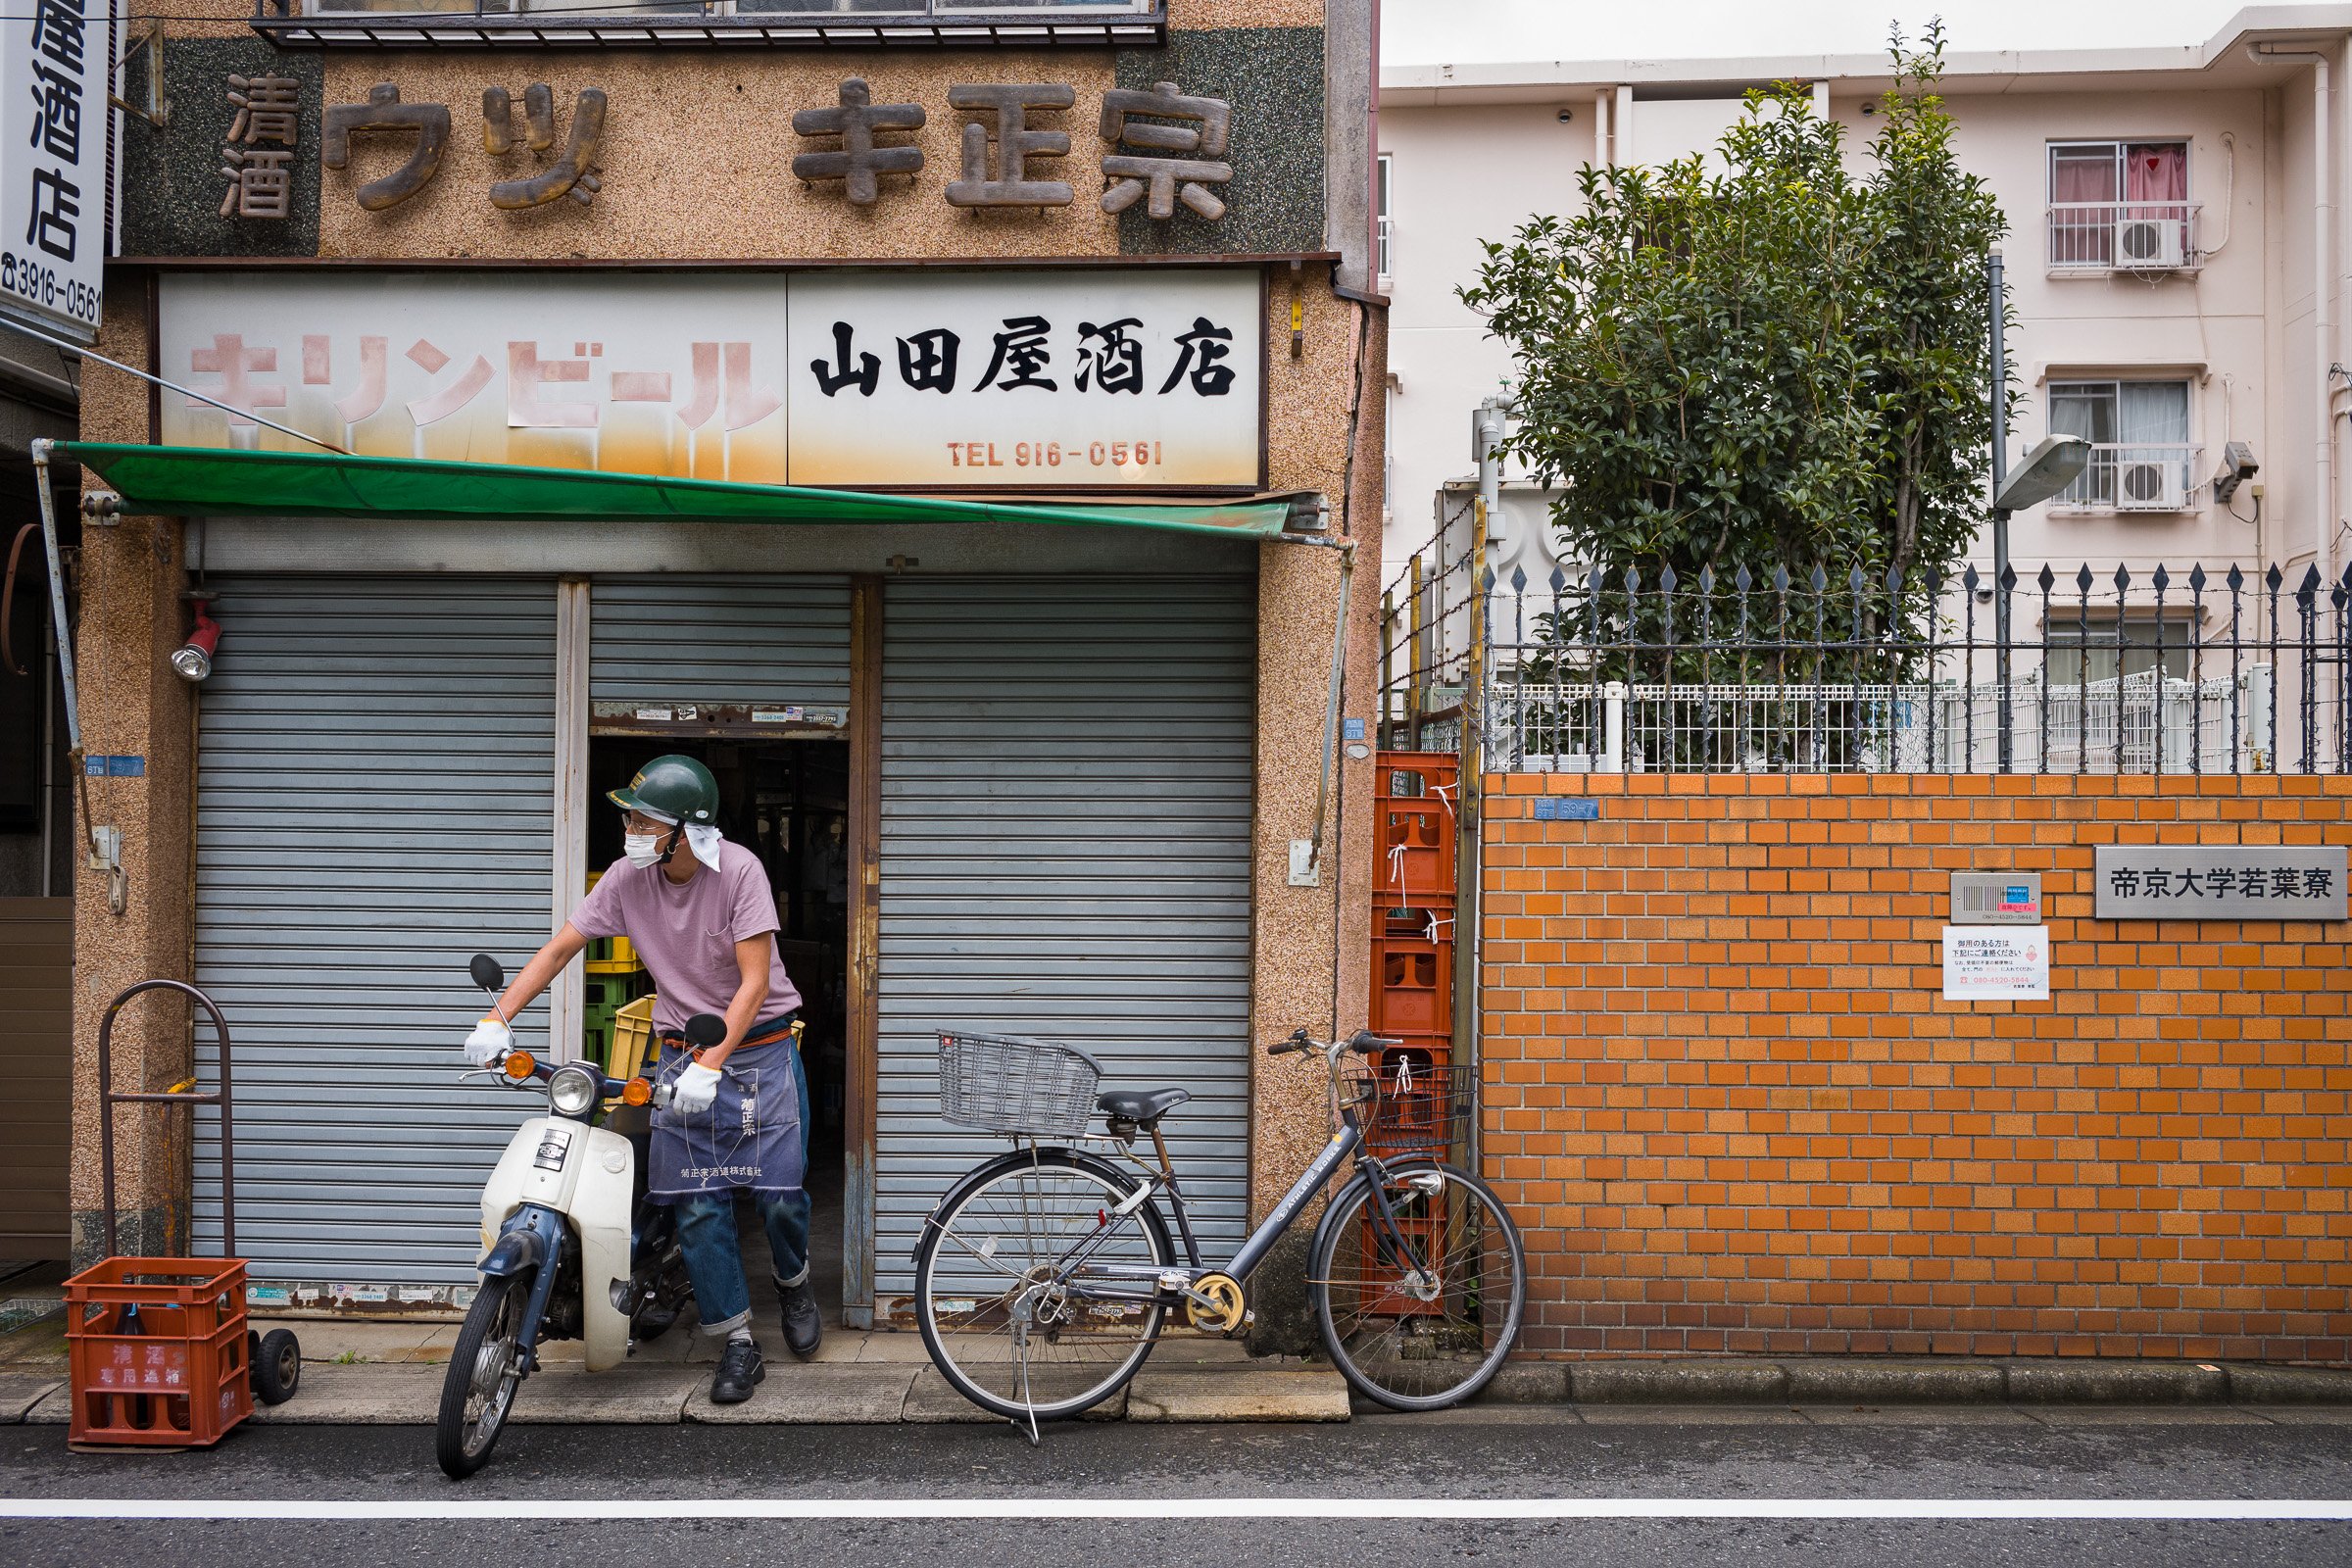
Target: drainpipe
column 2322, row 310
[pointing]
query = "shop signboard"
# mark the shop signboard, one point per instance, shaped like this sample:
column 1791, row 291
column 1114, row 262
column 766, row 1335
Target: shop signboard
column 1026, row 379
column 53, row 164
column 1087, row 379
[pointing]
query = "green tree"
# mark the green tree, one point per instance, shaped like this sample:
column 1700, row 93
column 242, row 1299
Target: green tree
column 1776, row 361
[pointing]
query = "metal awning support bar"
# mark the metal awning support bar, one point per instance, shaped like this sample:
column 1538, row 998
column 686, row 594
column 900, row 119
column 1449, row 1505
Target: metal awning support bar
column 117, row 888
column 81, row 352
column 57, row 597
column 1331, row 699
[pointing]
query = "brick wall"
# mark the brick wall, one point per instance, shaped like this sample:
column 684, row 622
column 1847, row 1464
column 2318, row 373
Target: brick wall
column 1733, row 1112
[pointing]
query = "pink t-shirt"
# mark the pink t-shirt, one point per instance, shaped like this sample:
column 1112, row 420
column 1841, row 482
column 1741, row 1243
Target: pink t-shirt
column 686, row 932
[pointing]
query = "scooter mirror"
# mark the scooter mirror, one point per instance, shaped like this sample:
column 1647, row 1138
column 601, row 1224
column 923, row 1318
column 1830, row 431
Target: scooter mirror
column 486, row 972
column 705, row 1029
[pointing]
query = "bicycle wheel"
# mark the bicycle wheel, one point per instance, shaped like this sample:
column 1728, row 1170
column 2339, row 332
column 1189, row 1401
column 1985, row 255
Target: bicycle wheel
column 1428, row 1329
column 485, row 1368
column 998, row 1327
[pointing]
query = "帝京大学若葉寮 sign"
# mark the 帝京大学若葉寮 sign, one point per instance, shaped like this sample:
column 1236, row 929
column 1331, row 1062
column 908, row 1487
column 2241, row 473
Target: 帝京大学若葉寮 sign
column 2219, row 882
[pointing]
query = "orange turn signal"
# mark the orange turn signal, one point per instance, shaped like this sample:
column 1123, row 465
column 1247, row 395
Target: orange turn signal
column 518, row 1064
column 636, row 1092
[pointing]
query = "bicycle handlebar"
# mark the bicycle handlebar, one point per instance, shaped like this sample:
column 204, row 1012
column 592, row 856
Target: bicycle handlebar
column 1362, row 1041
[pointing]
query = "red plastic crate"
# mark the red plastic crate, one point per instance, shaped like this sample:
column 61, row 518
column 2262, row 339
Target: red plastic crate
column 1426, row 919
column 183, row 1380
column 1413, row 986
column 1416, row 775
column 1414, row 850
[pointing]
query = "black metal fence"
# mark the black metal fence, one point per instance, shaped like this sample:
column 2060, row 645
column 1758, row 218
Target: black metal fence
column 2112, row 671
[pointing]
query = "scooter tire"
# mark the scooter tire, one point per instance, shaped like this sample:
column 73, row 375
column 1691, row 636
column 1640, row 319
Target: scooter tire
column 463, row 1447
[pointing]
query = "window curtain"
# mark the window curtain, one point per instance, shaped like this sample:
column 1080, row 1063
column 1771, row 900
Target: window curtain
column 2156, row 171
column 2086, row 410
column 2082, row 192
column 2152, row 414
column 2082, row 176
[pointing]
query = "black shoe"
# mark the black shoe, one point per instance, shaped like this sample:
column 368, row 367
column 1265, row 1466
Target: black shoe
column 804, row 1325
column 740, row 1370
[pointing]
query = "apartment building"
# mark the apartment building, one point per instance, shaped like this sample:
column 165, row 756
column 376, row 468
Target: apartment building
column 2169, row 210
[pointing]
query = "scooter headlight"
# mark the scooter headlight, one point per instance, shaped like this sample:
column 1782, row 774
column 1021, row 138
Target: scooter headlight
column 573, row 1089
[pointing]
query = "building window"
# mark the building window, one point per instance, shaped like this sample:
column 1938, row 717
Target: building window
column 2121, row 206
column 1382, row 222
column 2141, row 459
column 810, row 23
column 2074, row 658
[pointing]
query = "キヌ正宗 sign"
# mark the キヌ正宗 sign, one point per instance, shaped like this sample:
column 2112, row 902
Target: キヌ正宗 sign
column 1996, row 963
column 54, row 58
column 1090, row 380
column 2219, row 882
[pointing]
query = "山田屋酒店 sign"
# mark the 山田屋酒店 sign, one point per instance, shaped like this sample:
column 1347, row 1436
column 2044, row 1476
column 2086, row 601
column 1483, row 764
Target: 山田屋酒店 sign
column 55, row 56
column 1094, row 380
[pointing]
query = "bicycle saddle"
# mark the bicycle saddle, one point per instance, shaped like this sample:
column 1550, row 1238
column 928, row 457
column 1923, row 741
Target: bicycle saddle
column 1140, row 1106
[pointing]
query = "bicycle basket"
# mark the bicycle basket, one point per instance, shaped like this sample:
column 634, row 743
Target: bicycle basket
column 1003, row 1083
column 1410, row 1110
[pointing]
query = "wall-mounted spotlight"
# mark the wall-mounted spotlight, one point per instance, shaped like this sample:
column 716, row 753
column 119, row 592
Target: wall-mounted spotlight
column 193, row 658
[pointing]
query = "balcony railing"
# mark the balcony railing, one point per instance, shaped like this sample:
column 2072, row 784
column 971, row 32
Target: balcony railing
column 478, row 23
column 2124, row 236
column 2135, row 478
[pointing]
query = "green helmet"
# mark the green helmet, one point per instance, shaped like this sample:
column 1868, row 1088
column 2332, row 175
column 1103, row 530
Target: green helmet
column 676, row 787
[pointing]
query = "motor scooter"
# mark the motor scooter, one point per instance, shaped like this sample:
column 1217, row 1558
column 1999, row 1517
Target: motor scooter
column 559, row 1216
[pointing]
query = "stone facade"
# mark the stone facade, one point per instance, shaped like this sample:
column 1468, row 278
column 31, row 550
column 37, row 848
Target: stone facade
column 696, row 169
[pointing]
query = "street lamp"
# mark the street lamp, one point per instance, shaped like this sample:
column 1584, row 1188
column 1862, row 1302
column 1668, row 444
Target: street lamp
column 2056, row 462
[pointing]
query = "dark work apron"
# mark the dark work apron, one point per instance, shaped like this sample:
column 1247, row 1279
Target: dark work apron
column 750, row 1137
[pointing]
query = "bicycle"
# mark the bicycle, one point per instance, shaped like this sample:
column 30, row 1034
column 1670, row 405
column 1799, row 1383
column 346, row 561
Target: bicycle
column 1043, row 1278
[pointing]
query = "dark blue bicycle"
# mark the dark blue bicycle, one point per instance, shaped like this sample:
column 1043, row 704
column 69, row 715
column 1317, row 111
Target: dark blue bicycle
column 1044, row 1277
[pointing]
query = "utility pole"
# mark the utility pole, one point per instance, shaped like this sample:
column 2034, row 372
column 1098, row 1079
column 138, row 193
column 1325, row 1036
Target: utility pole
column 2000, row 514
column 1486, row 431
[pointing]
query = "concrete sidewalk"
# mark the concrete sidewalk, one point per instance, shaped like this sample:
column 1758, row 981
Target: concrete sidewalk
column 374, row 1374
column 390, row 1374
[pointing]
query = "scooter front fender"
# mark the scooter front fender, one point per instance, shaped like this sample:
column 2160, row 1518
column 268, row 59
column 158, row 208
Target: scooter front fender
column 520, row 1248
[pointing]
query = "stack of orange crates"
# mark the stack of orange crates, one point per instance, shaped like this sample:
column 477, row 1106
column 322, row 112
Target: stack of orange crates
column 1414, row 803
column 1413, row 809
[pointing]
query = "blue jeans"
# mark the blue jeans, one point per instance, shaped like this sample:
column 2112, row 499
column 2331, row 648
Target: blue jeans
column 713, row 1254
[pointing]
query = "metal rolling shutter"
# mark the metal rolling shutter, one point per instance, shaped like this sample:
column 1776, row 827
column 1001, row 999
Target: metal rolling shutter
column 374, row 805
column 1065, row 852
column 720, row 639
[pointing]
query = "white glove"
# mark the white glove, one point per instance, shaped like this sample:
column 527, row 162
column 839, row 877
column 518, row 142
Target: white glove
column 694, row 1089
column 489, row 1041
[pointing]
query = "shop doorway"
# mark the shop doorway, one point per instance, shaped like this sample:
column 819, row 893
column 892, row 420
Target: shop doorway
column 787, row 802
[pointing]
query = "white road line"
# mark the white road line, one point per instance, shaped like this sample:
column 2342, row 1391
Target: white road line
column 1130, row 1508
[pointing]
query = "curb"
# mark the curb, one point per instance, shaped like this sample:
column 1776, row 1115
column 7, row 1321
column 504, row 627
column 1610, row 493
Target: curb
column 1871, row 1380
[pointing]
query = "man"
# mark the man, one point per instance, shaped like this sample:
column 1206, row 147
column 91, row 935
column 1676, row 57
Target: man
column 701, row 915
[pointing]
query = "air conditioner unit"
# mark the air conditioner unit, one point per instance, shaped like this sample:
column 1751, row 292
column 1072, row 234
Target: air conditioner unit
column 2149, row 487
column 2149, row 244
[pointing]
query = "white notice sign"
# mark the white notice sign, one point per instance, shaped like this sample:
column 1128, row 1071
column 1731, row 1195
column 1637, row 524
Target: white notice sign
column 54, row 57
column 1996, row 963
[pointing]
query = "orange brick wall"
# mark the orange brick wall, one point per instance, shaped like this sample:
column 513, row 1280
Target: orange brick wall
column 1733, row 1112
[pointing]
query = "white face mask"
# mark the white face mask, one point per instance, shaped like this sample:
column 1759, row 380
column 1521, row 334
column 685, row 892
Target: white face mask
column 642, row 848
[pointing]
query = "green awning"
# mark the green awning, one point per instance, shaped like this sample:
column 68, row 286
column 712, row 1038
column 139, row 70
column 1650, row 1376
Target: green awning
column 201, row 481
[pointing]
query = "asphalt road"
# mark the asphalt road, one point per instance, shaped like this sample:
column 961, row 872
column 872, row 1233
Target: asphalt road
column 659, row 1473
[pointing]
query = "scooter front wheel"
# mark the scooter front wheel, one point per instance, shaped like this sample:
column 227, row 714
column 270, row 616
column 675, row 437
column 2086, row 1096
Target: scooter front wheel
column 484, row 1371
